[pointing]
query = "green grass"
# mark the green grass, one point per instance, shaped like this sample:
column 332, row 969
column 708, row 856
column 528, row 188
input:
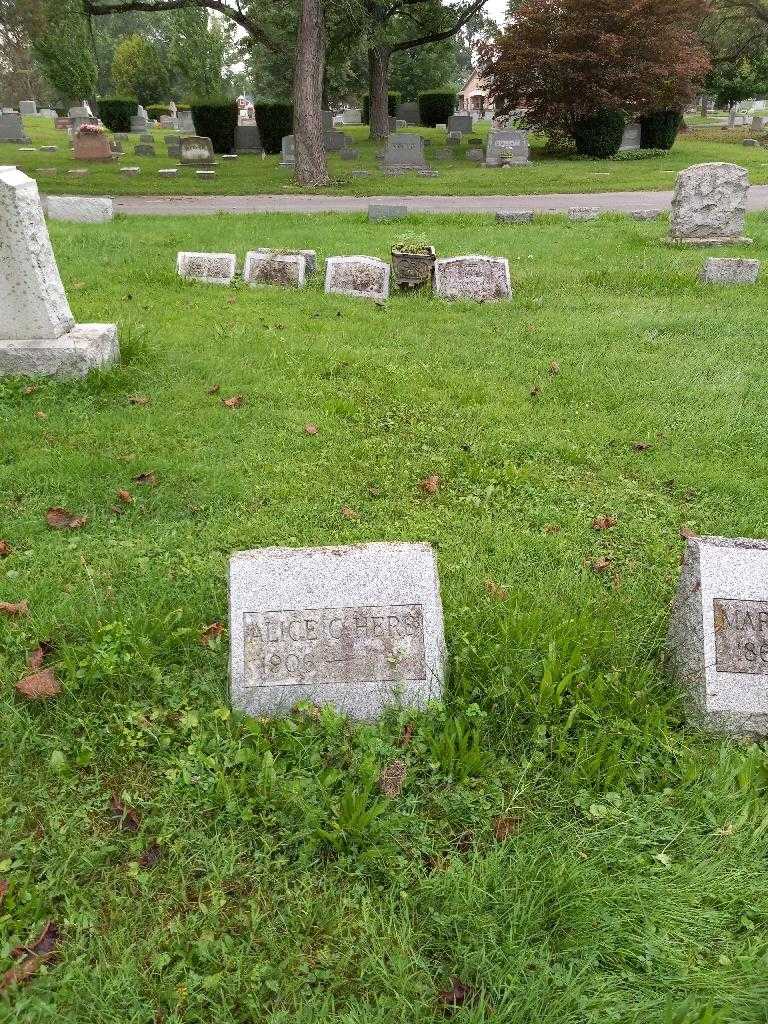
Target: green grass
column 288, row 889
column 250, row 175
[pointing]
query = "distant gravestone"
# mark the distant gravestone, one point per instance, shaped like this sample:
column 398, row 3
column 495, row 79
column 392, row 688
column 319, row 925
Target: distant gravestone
column 139, row 124
column 38, row 334
column 283, row 269
column 351, row 116
column 93, row 146
column 730, row 271
column 631, row 138
column 460, row 123
column 79, row 209
column 515, row 216
column 404, row 150
column 479, row 278
column 387, row 211
column 349, row 154
column 507, row 148
column 288, row 152
column 645, row 214
column 48, row 112
column 409, row 112
column 709, row 205
column 143, row 149
column 579, row 213
column 475, row 155
column 130, row 172
column 168, row 172
column 334, row 141
column 27, row 108
column 310, row 257
column 248, row 140
column 147, row 139
column 186, row 123
column 12, row 128
column 718, row 635
column 362, row 277
column 195, row 150
column 206, row 267
column 358, row 627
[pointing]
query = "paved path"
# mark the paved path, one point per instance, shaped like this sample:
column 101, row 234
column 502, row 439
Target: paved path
column 619, row 202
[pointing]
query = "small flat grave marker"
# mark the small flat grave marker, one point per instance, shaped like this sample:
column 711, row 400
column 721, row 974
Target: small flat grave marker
column 717, row 270
column 718, row 635
column 479, row 278
column 358, row 627
column 579, row 213
column 80, row 209
column 206, row 267
column 282, row 269
column 387, row 211
column 515, row 216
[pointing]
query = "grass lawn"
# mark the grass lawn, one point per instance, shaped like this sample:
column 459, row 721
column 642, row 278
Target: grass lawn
column 458, row 176
column 565, row 849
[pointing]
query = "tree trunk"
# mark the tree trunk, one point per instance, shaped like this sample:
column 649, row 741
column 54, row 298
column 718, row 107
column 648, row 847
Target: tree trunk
column 311, row 166
column 378, row 90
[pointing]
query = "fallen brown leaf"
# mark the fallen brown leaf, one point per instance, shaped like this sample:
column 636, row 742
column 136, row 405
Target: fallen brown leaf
column 234, row 402
column 214, row 389
column 456, row 995
column 39, row 685
column 505, row 827
column 125, row 496
column 374, row 492
column 535, row 391
column 40, row 952
column 59, row 519
column 392, row 778
column 495, row 591
column 40, row 415
column 146, row 479
column 552, row 528
column 406, row 736
column 210, row 633
column 43, row 944
column 641, row 446
column 310, row 429
column 126, row 819
column 604, row 522
column 139, row 399
column 14, row 609
column 5, row 549
column 36, row 658
column 554, row 367
column 464, row 841
column 150, row 857
column 30, row 390
column 600, row 564
column 687, row 533
column 347, row 512
column 3, row 890
column 430, row 484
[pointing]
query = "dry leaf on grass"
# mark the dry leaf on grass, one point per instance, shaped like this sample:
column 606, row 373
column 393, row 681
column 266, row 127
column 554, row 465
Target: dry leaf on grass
column 146, row 479
column 406, row 736
column 39, row 685
column 8, row 608
column 31, row 958
column 347, row 512
column 430, row 484
column 3, row 890
column 552, row 528
column 505, row 827
column 30, row 390
column 150, row 857
column 310, row 429
column 210, row 633
column 604, row 522
column 641, row 446
column 687, row 533
column 457, row 995
column 60, row 519
column 392, row 778
column 5, row 549
column 36, row 658
column 138, row 399
column 498, row 593
column 40, row 415
column 234, row 402
column 126, row 819
column 214, row 389
column 554, row 368
column 601, row 564
column 535, row 391
column 125, row 496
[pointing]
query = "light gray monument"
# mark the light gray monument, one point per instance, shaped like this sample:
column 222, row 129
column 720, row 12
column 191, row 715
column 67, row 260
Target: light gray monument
column 79, row 209
column 12, row 128
column 334, row 141
column 581, row 213
column 709, row 205
column 196, row 151
column 38, row 334
column 507, row 148
column 631, row 138
column 361, row 277
column 27, row 108
column 206, row 267
column 478, row 278
column 358, row 627
column 310, row 256
column 409, row 112
column 387, row 211
column 288, row 152
column 718, row 634
column 718, row 270
column 460, row 123
column 351, row 116
column 404, row 151
column 515, row 216
column 287, row 270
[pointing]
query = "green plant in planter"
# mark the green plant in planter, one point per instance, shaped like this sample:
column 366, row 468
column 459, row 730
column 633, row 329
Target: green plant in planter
column 416, row 245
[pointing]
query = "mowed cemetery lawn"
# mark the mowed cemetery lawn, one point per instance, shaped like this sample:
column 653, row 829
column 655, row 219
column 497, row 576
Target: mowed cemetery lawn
column 565, row 849
column 458, row 176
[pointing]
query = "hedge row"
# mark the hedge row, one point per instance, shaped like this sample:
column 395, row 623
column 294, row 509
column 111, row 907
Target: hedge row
column 436, row 106
column 274, row 121
column 217, row 121
column 659, row 129
column 116, row 112
column 600, row 136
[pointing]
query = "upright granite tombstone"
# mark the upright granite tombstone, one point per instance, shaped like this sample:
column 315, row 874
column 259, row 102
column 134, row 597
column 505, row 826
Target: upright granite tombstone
column 12, row 128
column 27, row 108
column 718, row 634
column 287, row 152
column 38, row 334
column 327, row 120
column 360, row 277
column 351, row 116
column 334, row 141
column 478, row 278
column 709, row 205
column 247, row 139
column 358, row 627
column 631, row 138
column 409, row 112
column 460, row 123
column 196, row 151
column 404, row 151
column 507, row 148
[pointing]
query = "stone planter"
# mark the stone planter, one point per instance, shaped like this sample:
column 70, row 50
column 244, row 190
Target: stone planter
column 412, row 269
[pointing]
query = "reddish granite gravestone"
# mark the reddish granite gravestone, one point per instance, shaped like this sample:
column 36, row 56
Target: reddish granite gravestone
column 92, row 146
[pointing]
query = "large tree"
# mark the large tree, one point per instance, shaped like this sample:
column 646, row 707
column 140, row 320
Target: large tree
column 565, row 60
column 253, row 18
column 63, row 49
column 140, row 70
column 20, row 76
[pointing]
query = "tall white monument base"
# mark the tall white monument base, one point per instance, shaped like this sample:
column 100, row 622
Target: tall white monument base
column 38, row 334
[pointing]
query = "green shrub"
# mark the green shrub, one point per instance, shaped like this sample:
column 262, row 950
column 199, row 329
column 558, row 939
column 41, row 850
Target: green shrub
column 659, row 129
column 436, row 106
column 628, row 155
column 600, row 135
column 116, row 112
column 274, row 120
column 217, row 121
column 393, row 102
column 158, row 110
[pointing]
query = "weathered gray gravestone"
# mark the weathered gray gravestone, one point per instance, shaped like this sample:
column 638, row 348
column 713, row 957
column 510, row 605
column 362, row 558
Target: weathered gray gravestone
column 409, row 112
column 631, row 137
column 460, row 123
column 479, row 278
column 730, row 271
column 287, row 270
column 195, row 150
column 358, row 627
column 38, row 334
column 718, row 634
column 515, row 216
column 206, row 267
column 709, row 205
column 507, row 148
column 143, row 149
column 247, row 139
column 334, row 141
column 27, row 108
column 387, row 211
column 405, row 150
column 579, row 213
column 361, row 277
column 12, row 128
column 79, row 209
column 288, row 152
column 310, row 256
